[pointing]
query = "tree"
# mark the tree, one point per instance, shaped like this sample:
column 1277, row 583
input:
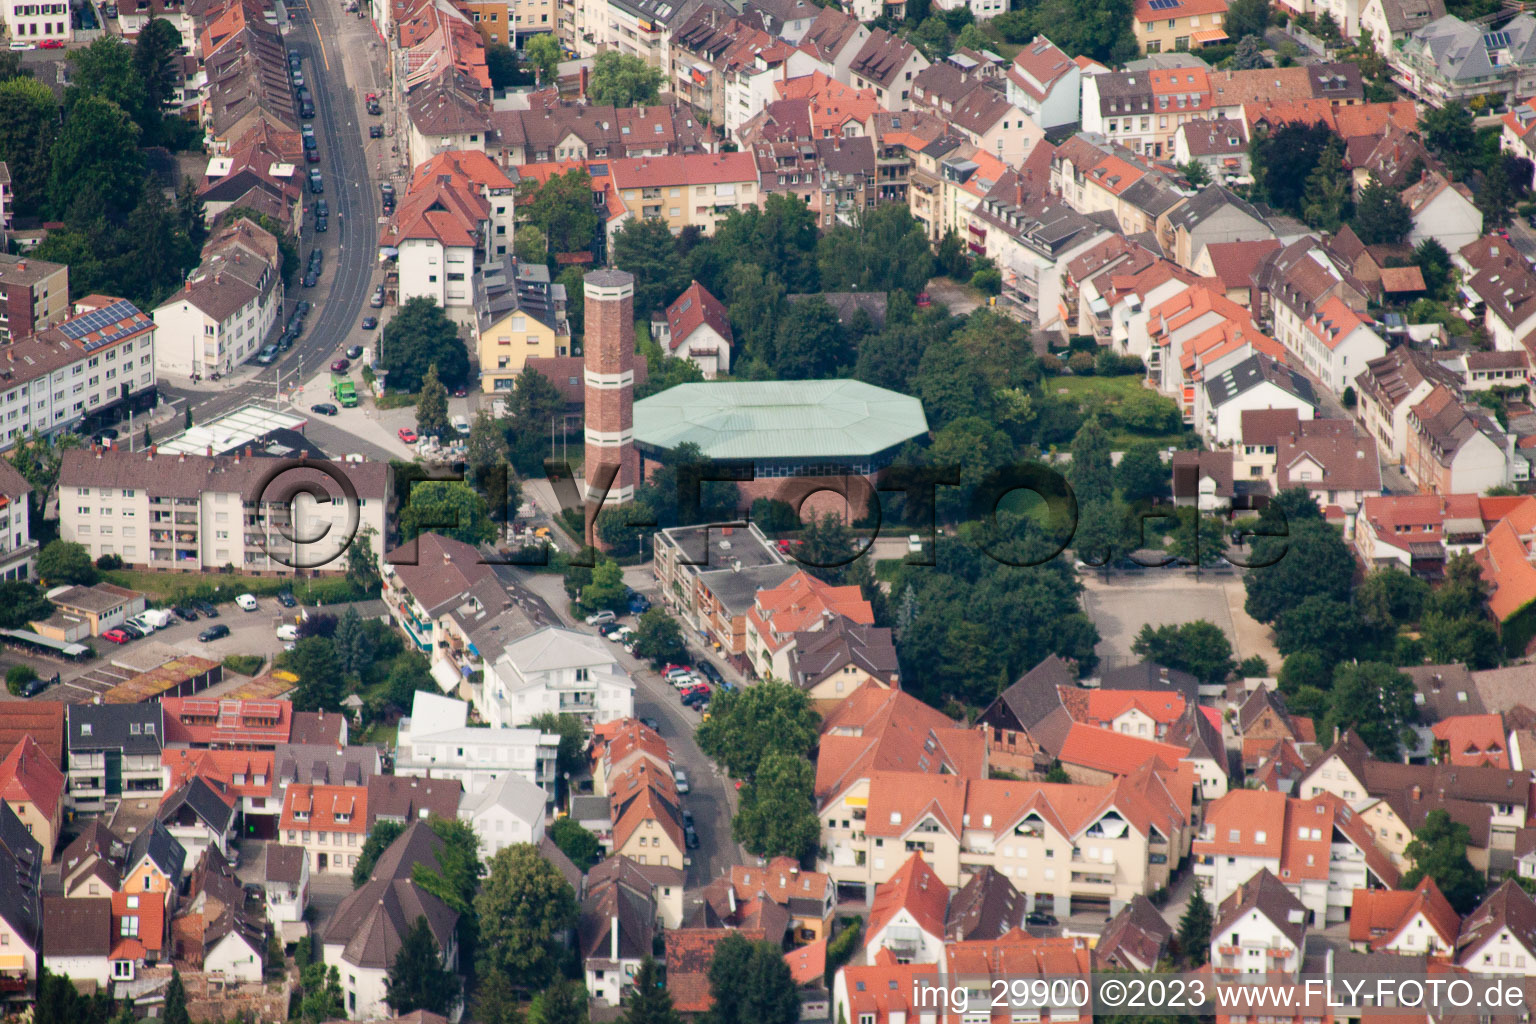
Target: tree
column 1284, row 159
column 777, row 815
column 647, row 249
column 1057, row 774
column 1448, row 133
column 659, row 639
column 96, row 157
column 622, row 80
column 351, row 641
column 530, row 245
column 105, row 70
column 886, row 250
column 20, row 603
column 1090, row 472
column 976, row 448
column 417, row 980
column 322, row 994
column 1142, row 475
column 485, row 455
column 951, row 385
column 362, row 566
column 155, row 52
column 1438, row 851
column 1328, row 186
column 383, row 833
column 449, row 507
column 750, row 983
column 1389, row 598
column 649, row 1002
column 1380, row 218
column 496, row 1000
column 564, row 1002
column 63, row 561
column 29, row 123
column 175, row 1011
column 571, row 756
column 561, row 209
column 1247, row 18
column 1101, row 29
column 1495, row 195
column 1330, row 627
column 1249, row 55
column 1195, row 929
column 1311, row 559
column 409, row 672
column 745, row 725
column 543, row 54
column 810, row 343
column 432, row 407
column 418, row 337
column 575, row 842
column 524, row 907
column 537, row 408
column 1471, row 641
column 607, row 589
column 1104, row 534
column 502, row 65
column 1200, row 540
column 1434, row 262
column 1375, row 700
column 1195, row 173
column 313, row 659
column 1199, row 648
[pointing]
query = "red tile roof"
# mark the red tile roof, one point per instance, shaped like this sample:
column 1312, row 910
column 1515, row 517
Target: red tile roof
column 28, row 775
column 883, row 988
column 878, row 729
column 696, row 308
column 208, row 721
column 1184, row 9
column 1378, row 916
column 221, row 766
column 144, row 931
column 1038, row 66
column 808, row 964
column 801, row 602
column 916, row 889
column 1114, row 752
column 689, row 169
column 1473, row 740
column 324, row 805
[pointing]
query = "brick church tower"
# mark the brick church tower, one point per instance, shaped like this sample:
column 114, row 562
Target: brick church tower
column 609, row 380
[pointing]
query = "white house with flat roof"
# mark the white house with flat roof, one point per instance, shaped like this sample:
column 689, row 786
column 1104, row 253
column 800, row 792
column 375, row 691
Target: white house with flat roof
column 438, row 742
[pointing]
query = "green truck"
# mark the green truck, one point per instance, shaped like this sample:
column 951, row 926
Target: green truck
column 343, row 390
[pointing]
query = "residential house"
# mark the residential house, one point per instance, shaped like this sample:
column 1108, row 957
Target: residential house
column 285, row 883
column 1450, row 61
column 1472, row 740
column 226, row 309
column 1391, row 22
column 1135, row 939
column 438, row 238
column 200, row 814
column 223, row 724
column 436, row 741
column 1418, row 532
column 1025, row 725
column 986, row 907
column 140, row 926
column 21, row 910
column 18, row 551
column 446, row 113
column 802, row 603
column 835, row 38
column 809, row 896
column 883, row 992
column 1260, row 928
column 887, row 64
column 211, row 930
column 1258, row 382
column 1502, row 287
column 1212, row 215
column 1443, row 211
column 1388, row 389
column 907, row 916
column 1412, row 922
column 1499, row 937
column 1219, row 145
column 507, row 812
column 1455, row 446
column 557, row 671
column 698, row 330
column 1328, row 460
column 1163, row 26
column 977, row 109
column 1045, row 84
column 519, row 314
column 77, row 938
column 403, row 799
column 93, row 865
column 154, row 864
column 113, row 749
column 34, row 294
column 647, row 815
column 554, row 131
column 833, row 661
column 32, row 785
column 330, row 823
column 1203, row 479
column 367, row 930
column 617, row 925
column 245, row 776
column 1142, row 110
column 1480, row 370
column 1332, row 339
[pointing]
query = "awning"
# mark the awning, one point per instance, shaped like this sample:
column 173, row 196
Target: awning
column 1208, row 35
column 856, row 801
column 446, row 676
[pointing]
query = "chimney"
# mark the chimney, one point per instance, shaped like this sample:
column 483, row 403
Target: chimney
column 1418, row 793
column 613, row 938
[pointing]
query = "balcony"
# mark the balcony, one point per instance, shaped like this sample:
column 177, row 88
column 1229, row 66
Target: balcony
column 1230, row 950
column 186, row 518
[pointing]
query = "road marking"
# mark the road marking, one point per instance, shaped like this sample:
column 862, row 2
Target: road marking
column 319, row 35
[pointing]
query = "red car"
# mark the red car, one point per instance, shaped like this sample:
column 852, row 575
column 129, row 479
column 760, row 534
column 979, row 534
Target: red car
column 116, row 636
column 340, row 365
column 407, row 435
column 923, row 301
column 52, row 44
column 698, row 688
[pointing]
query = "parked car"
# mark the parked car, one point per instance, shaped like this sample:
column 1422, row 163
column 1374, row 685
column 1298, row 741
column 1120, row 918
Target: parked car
column 651, row 724
column 316, row 182
column 310, row 280
column 1040, row 920
column 598, row 618
column 33, row 687
column 322, row 223
column 354, row 352
column 696, row 701
column 301, row 310
column 268, row 355
column 639, row 604
column 407, row 435
column 52, row 44
column 116, row 636
column 690, row 837
column 205, row 609
column 213, row 633
column 324, row 409
column 322, row 208
column 376, row 300
column 695, row 689
column 681, row 778
column 340, row 365
column 460, row 423
column 375, row 131
column 185, row 614
column 133, row 632
column 607, row 627
column 676, row 672
column 286, row 599
column 287, row 631
column 621, row 634
column 711, row 673
column 247, row 602
column 687, row 819
column 370, row 322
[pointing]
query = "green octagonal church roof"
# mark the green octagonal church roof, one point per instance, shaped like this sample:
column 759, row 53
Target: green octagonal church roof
column 791, row 419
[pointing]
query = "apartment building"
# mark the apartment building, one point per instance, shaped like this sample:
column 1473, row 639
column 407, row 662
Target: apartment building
column 1031, row 240
column 559, row 131
column 114, row 749
column 1456, row 446
column 329, row 823
column 200, row 512
column 697, row 190
column 437, row 742
column 33, row 294
column 37, row 22
column 800, row 604
column 1164, row 26
column 100, row 358
column 224, row 312
column 1450, row 61
column 709, row 576
column 558, row 671
column 18, row 551
column 1260, row 929
column 1388, row 389
column 519, row 314
column 437, row 238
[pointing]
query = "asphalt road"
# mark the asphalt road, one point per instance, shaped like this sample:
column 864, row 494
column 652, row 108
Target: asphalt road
column 349, row 246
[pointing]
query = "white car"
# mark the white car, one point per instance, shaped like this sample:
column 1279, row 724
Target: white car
column 915, row 544
column 682, row 682
column 287, row 631
column 247, row 602
column 621, row 634
column 142, row 623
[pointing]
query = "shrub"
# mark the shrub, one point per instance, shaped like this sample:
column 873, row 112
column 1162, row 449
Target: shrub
column 988, row 280
column 1051, row 363
column 18, row 676
column 244, row 664
column 108, row 562
column 842, row 947
column 1253, row 667
column 1081, row 364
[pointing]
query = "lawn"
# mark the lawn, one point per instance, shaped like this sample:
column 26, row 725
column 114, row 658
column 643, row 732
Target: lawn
column 220, row 587
column 1105, row 393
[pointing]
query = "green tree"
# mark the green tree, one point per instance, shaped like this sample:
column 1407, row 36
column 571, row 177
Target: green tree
column 810, row 343
column 1495, row 195
column 417, row 979
column 537, row 409
column 659, row 639
column 1438, row 850
column 29, row 123
column 524, row 907
column 1195, row 929
column 485, row 456
column 1142, row 475
column 176, row 1001
column 96, row 156
column 409, row 672
column 976, row 448
column 1090, row 472
column 107, row 70
column 432, row 407
column 322, row 994
column 647, row 249
column 155, row 56
column 575, row 842
column 562, row 209
column 63, row 561
column 607, row 589
column 1001, row 347
column 745, row 725
column 1448, row 133
column 1311, row 559
column 1247, row 18
column 1057, row 774
column 1375, row 700
column 530, row 245
column 1199, row 648
column 1195, row 173
column 1380, row 218
column 543, row 55
column 418, row 337
column 313, row 659
column 571, row 757
column 1199, row 539
column 20, row 603
column 1434, row 263
column 449, row 507
column 1101, row 29
column 1104, row 533
column 351, row 640
column 1389, row 598
column 623, row 80
column 777, row 815
column 1249, row 55
column 951, row 385
column 1330, row 627
column 1473, row 642
column 564, row 1002
column 648, row 1001
column 886, row 250
column 750, row 983
column 362, row 564
column 496, row 1000
column 380, row 836
column 502, row 65
column 1326, row 200
column 1283, row 161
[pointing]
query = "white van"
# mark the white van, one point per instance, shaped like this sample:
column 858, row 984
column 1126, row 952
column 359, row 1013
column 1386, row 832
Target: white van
column 461, row 426
column 246, row 602
column 287, row 631
column 157, row 617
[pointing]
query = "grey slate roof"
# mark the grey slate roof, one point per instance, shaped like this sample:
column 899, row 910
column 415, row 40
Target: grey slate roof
column 202, row 800
column 1148, row 675
column 1461, row 51
column 164, row 849
column 324, row 765
column 372, row 921
column 986, row 907
column 1206, row 203
column 1135, row 938
column 1252, row 372
column 77, row 927
column 112, row 727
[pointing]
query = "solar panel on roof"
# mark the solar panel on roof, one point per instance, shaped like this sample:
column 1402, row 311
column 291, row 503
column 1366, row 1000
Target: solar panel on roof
column 1494, row 40
column 113, row 321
